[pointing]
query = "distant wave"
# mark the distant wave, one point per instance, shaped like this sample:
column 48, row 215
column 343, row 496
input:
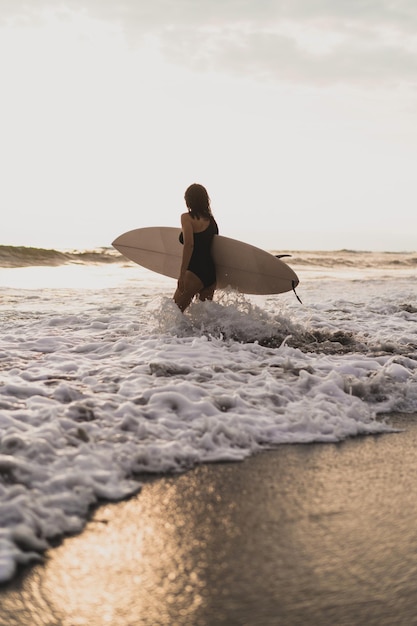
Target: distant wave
column 352, row 259
column 22, row 256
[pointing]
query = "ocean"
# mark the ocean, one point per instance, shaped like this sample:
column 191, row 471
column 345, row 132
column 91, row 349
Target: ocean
column 104, row 382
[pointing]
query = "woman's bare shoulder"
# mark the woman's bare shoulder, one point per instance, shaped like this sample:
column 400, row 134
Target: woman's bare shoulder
column 185, row 217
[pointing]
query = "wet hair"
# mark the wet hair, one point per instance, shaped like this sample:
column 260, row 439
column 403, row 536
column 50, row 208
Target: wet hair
column 198, row 201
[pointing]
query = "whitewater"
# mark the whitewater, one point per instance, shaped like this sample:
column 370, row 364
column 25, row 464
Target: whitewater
column 103, row 381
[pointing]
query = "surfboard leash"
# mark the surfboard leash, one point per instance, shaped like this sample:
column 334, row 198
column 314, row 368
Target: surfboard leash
column 280, row 256
column 296, row 295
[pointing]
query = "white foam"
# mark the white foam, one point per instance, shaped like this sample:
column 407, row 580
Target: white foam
column 99, row 387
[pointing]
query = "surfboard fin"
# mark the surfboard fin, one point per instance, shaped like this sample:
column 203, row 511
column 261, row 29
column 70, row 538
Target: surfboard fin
column 293, row 288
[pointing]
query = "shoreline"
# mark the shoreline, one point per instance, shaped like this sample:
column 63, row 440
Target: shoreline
column 305, row 533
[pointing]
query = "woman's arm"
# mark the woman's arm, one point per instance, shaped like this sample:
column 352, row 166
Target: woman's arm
column 188, row 234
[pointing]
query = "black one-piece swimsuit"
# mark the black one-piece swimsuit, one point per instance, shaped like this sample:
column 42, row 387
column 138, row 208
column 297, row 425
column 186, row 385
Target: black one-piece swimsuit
column 201, row 263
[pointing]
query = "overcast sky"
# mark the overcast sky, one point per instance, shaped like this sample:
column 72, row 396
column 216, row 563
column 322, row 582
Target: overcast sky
column 299, row 116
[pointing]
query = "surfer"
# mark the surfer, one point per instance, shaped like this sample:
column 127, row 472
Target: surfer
column 197, row 273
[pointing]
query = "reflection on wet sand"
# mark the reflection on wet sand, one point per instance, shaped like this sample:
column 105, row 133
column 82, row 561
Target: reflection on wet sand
column 323, row 533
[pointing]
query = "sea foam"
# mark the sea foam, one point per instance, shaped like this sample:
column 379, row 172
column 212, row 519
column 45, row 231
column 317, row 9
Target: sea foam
column 100, row 387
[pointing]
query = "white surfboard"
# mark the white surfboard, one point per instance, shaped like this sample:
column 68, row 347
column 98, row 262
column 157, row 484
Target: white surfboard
column 238, row 265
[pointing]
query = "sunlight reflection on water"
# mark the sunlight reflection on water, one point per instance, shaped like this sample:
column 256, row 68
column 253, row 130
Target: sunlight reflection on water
column 80, row 277
column 74, row 276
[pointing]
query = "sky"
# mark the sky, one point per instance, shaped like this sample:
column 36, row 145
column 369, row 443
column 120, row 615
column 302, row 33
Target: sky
column 298, row 116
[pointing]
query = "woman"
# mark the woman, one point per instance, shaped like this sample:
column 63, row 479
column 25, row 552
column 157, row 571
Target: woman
column 198, row 273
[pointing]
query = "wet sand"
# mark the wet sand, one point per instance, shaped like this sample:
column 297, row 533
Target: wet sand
column 318, row 534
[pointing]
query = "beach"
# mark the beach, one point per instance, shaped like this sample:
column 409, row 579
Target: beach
column 251, row 462
column 243, row 459
column 318, row 534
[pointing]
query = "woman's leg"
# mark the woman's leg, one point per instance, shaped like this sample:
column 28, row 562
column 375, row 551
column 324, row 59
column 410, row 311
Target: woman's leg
column 192, row 286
